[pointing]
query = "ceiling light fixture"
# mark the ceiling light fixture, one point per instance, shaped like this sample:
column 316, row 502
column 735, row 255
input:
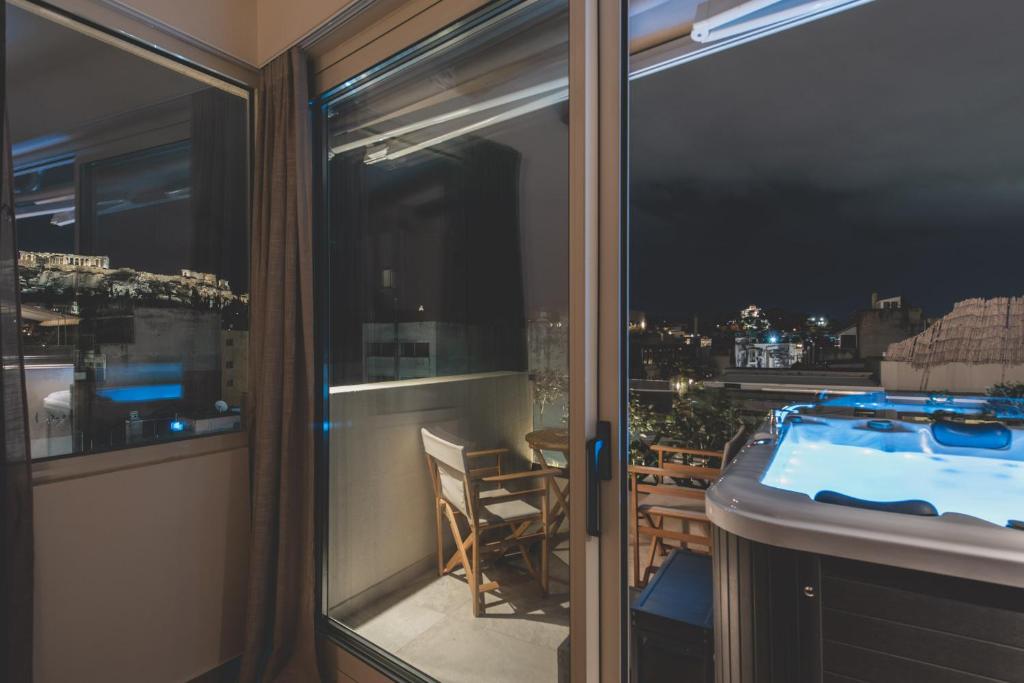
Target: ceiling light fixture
column 755, row 15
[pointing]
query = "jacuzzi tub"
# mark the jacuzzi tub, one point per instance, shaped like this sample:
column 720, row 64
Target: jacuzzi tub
column 973, row 467
column 908, row 563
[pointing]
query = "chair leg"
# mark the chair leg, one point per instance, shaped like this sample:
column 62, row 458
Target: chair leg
column 545, row 544
column 460, row 546
column 545, row 550
column 656, row 523
column 634, row 514
column 440, row 544
column 474, row 581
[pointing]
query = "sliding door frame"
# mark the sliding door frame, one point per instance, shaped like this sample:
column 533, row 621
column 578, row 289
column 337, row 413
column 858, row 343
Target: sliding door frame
column 597, row 308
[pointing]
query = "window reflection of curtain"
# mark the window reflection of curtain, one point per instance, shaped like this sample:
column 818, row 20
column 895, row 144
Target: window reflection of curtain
column 444, row 227
column 219, row 186
column 15, row 469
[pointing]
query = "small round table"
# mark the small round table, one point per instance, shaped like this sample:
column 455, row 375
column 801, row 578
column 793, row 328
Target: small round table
column 553, row 439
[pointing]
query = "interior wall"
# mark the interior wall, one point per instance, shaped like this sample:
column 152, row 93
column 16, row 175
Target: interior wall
column 228, row 25
column 141, row 573
column 282, row 24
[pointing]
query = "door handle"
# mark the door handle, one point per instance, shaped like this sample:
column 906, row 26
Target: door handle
column 599, row 468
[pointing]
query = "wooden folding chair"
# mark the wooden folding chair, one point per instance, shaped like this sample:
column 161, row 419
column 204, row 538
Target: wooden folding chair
column 500, row 521
column 652, row 504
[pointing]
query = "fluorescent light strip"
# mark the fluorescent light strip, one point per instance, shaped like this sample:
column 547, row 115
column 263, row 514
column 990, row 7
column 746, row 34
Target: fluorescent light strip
column 685, row 49
column 731, row 22
column 515, row 112
column 561, row 83
column 41, row 211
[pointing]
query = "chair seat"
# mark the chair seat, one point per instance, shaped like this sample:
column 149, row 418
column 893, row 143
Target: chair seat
column 673, row 506
column 504, row 511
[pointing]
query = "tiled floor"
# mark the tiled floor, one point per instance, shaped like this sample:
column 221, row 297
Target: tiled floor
column 430, row 625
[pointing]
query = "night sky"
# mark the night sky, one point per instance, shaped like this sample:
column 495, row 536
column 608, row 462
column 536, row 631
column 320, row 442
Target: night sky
column 846, row 156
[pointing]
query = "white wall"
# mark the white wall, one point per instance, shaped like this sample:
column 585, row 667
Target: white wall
column 381, row 518
column 141, row 572
column 954, row 377
column 228, row 25
column 282, row 23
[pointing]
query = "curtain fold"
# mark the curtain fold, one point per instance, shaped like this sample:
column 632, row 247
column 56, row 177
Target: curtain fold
column 280, row 640
column 16, row 545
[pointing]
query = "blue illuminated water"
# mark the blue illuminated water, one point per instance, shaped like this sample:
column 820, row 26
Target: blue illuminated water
column 904, row 462
column 141, row 393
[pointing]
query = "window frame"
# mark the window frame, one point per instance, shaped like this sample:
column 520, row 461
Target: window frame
column 168, row 48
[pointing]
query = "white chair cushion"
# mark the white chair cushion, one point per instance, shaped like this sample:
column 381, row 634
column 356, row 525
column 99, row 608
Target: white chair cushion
column 506, row 510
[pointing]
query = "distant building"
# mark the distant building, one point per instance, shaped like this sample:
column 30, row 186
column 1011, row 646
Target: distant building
column 889, row 303
column 44, row 259
column 976, row 345
column 53, row 272
column 750, row 352
column 637, row 321
column 234, row 357
column 886, row 322
column 848, row 339
column 752, row 318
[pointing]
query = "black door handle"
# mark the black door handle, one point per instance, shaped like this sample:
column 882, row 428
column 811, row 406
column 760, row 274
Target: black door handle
column 599, row 468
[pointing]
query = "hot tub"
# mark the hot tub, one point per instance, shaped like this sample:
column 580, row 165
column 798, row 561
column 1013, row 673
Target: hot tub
column 874, row 537
column 899, row 455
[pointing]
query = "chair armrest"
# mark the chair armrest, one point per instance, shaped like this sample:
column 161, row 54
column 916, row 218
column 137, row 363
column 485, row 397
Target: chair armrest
column 484, row 454
column 686, row 451
column 515, row 476
column 673, row 470
column 481, row 472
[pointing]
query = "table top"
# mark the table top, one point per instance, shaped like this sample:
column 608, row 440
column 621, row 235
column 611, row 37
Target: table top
column 551, row 439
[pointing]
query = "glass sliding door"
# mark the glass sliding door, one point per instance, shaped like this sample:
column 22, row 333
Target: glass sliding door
column 446, row 197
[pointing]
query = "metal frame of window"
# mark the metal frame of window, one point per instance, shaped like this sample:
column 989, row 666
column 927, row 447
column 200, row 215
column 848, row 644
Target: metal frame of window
column 598, row 307
column 379, row 658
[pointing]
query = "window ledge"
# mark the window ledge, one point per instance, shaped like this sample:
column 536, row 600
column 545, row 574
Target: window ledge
column 423, row 381
column 49, row 471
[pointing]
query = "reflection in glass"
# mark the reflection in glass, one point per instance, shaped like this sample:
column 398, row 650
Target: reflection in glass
column 132, row 227
column 805, row 230
column 447, row 208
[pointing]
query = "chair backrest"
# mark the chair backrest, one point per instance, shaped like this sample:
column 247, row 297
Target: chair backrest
column 734, row 446
column 448, row 456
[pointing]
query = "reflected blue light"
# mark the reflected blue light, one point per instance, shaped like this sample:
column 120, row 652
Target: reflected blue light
column 141, row 393
column 163, row 373
column 902, row 462
column 36, row 144
column 177, row 426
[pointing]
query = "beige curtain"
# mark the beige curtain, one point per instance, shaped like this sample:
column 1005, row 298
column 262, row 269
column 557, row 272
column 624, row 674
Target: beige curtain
column 280, row 642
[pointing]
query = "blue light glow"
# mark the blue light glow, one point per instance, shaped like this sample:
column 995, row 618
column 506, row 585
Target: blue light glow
column 906, row 462
column 141, row 393
column 36, row 144
column 136, row 373
column 177, row 426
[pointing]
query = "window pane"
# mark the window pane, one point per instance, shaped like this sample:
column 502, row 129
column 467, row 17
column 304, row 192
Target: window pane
column 131, row 193
column 829, row 219
column 446, row 185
